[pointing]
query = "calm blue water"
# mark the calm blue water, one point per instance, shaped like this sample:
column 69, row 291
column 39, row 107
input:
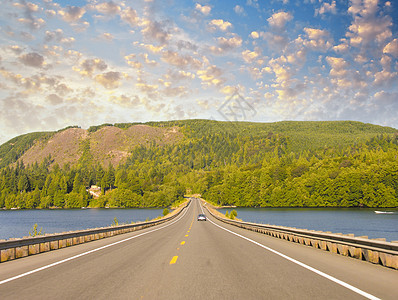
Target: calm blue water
column 18, row 223
column 357, row 221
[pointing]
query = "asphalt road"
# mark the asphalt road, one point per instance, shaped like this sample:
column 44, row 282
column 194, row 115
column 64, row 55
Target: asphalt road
column 187, row 259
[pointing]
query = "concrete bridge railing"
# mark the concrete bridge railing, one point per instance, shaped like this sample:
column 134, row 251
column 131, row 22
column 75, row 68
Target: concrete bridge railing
column 18, row 248
column 376, row 251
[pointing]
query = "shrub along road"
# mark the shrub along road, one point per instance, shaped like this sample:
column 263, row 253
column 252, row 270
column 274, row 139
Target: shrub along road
column 187, row 259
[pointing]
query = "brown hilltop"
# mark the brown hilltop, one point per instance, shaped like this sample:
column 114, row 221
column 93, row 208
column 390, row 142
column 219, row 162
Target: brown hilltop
column 63, row 148
column 109, row 144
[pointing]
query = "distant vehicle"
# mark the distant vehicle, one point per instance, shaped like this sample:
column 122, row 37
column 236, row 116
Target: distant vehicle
column 202, row 217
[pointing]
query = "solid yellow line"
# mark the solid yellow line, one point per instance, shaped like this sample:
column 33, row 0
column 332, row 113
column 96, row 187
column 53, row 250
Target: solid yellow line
column 173, row 260
column 183, row 242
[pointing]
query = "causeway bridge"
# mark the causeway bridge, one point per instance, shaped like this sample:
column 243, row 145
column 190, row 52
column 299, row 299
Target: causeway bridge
column 187, row 259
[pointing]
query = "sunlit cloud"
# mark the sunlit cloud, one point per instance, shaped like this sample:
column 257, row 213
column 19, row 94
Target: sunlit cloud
column 278, row 20
column 109, row 80
column 72, row 13
column 219, row 24
column 204, row 9
column 392, row 48
column 32, row 60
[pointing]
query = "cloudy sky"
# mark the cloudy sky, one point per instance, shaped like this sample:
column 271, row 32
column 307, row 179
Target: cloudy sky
column 91, row 62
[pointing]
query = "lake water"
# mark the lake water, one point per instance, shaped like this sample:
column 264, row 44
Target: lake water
column 357, row 221
column 18, row 223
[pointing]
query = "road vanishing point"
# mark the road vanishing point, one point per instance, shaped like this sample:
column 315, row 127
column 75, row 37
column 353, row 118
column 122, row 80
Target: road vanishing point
column 187, row 259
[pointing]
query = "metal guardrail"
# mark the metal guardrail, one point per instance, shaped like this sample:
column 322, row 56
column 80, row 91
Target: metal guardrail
column 372, row 250
column 16, row 248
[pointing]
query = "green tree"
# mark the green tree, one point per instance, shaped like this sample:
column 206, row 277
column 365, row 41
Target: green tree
column 23, row 183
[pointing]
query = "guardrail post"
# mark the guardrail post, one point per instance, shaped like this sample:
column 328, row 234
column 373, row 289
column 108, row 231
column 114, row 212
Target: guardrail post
column 21, row 251
column 44, row 247
column 34, row 249
column 7, row 254
column 392, row 261
column 62, row 243
column 54, row 245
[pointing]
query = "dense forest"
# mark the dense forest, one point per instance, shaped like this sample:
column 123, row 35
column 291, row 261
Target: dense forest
column 284, row 164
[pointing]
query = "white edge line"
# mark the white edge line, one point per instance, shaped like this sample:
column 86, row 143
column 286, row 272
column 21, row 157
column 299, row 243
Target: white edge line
column 88, row 252
column 338, row 281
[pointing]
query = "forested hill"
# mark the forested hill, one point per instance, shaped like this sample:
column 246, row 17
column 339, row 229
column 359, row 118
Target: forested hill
column 336, row 163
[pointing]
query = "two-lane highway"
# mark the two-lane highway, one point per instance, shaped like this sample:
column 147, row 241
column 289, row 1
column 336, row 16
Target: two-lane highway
column 188, row 259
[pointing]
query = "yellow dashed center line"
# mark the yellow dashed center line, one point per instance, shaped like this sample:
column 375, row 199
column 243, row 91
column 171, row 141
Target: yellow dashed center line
column 173, row 260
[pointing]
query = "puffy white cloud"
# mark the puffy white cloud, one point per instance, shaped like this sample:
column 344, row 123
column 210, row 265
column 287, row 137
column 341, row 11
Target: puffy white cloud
column 316, row 34
column 318, row 39
column 132, row 61
column 178, row 91
column 181, row 44
column 229, row 90
column 56, row 35
column 225, row 44
column 179, row 75
column 211, row 76
column 29, row 19
column 147, row 61
column 250, row 56
column 204, row 9
column 343, row 47
column 62, row 89
column 384, row 98
column 327, row 7
column 16, row 49
column 33, row 23
column 385, row 77
column 108, row 8
column 219, row 24
column 230, row 43
column 107, row 36
column 239, row 10
column 152, row 48
column 254, row 35
column 51, row 13
column 369, row 24
column 392, row 48
column 283, row 72
column 125, row 100
column 278, row 20
column 109, row 80
column 339, row 66
column 89, row 66
column 181, row 61
column 155, row 31
column 130, row 16
column 150, row 89
column 32, row 59
column 72, row 14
